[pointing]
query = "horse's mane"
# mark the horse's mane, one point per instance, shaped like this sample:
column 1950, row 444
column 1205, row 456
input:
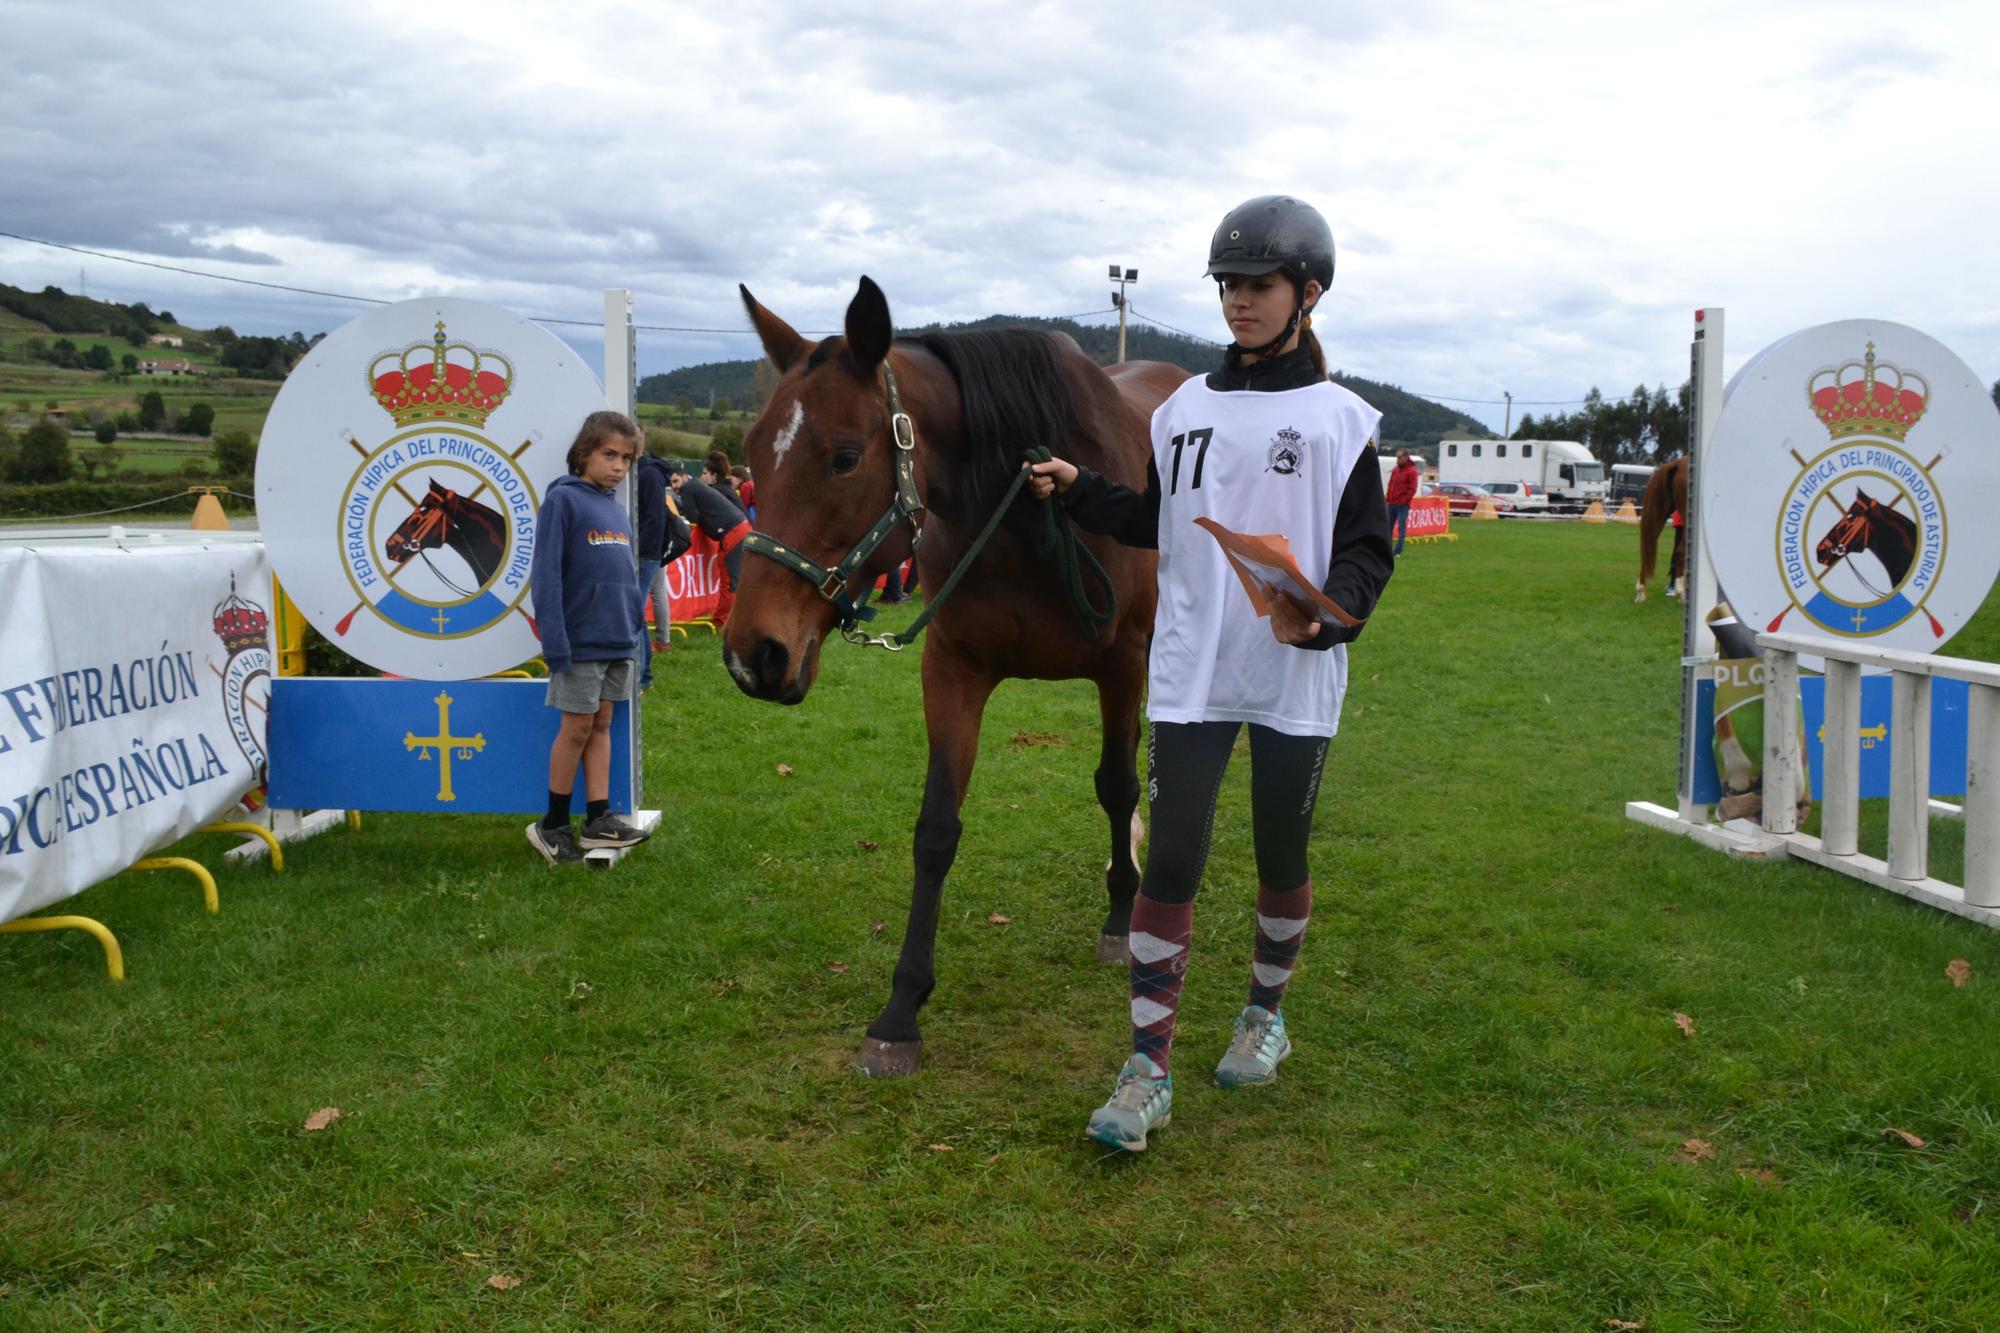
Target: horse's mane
column 1014, row 397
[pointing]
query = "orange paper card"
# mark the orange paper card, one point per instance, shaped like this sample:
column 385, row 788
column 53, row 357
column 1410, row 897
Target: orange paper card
column 1265, row 565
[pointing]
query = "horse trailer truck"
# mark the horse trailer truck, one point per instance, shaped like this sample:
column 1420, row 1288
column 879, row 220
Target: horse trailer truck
column 1563, row 468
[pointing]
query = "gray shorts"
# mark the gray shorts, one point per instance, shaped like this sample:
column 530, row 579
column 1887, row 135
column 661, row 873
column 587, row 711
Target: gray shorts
column 587, row 684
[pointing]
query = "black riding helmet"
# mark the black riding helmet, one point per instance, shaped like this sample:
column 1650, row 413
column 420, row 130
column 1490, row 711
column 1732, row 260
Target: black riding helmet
column 1270, row 233
column 1274, row 233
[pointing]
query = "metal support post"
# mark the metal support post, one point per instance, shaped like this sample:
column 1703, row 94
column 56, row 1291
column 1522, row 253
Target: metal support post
column 1697, row 641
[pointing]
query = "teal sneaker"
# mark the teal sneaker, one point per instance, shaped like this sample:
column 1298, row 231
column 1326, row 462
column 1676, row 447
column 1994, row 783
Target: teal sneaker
column 1254, row 1052
column 1142, row 1101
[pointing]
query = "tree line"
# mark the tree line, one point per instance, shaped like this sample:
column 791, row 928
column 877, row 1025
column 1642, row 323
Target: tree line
column 1645, row 426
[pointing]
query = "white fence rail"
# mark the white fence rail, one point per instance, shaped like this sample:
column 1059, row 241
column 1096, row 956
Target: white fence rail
column 1907, row 869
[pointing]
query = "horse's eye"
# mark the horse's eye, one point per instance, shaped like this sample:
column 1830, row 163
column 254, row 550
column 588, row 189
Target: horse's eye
column 845, row 460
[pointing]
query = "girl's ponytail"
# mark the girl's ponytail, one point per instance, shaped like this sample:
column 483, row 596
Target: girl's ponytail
column 1310, row 341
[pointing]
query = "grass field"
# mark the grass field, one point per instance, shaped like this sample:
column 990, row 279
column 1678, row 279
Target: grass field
column 630, row 1091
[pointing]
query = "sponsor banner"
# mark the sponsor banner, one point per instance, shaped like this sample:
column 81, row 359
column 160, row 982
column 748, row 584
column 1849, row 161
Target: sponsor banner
column 134, row 686
column 1948, row 743
column 1737, row 742
column 696, row 580
column 1846, row 485
column 468, row 746
column 398, row 480
column 1430, row 515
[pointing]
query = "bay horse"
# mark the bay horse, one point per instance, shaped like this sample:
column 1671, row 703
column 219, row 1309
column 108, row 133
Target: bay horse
column 1871, row 526
column 446, row 518
column 1666, row 493
column 857, row 426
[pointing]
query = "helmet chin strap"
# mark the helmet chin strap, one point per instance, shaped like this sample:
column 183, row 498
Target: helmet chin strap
column 1300, row 321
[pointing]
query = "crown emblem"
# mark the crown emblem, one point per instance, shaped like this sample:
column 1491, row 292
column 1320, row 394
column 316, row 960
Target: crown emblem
column 448, row 382
column 1854, row 398
column 240, row 624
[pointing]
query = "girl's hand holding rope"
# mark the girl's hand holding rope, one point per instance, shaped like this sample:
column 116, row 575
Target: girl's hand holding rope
column 1050, row 477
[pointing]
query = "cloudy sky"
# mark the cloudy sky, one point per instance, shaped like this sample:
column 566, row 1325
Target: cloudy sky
column 1525, row 197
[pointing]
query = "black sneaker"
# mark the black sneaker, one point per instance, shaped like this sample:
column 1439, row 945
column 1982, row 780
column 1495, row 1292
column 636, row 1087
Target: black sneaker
column 608, row 830
column 557, row 844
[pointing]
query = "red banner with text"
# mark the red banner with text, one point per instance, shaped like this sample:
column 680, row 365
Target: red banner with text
column 1430, row 516
column 695, row 581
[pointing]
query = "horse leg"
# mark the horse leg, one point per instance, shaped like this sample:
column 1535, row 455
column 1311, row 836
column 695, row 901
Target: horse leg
column 1117, row 781
column 954, row 702
column 1677, row 580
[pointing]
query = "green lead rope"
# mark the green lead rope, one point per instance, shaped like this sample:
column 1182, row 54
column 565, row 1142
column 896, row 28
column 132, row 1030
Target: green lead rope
column 1059, row 541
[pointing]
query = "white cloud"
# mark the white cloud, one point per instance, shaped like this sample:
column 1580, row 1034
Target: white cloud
column 1526, row 197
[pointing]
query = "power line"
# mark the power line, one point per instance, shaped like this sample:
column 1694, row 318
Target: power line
column 1195, row 337
column 192, row 272
column 735, row 332
column 377, row 300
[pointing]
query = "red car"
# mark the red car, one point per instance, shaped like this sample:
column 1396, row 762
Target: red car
column 1463, row 499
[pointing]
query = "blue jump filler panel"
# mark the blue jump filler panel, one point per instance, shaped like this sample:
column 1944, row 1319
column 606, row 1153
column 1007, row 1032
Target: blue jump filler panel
column 1948, row 726
column 469, row 746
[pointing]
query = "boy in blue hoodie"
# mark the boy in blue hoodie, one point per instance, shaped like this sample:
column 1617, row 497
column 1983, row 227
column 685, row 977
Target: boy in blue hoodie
column 590, row 613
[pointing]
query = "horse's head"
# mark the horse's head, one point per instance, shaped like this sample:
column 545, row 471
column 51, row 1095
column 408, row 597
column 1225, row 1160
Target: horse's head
column 424, row 529
column 1849, row 533
column 823, row 454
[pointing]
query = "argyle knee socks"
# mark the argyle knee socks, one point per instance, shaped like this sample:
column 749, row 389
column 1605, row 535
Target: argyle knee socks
column 1159, row 944
column 1281, row 928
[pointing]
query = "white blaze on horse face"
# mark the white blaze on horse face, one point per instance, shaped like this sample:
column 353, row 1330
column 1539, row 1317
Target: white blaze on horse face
column 786, row 437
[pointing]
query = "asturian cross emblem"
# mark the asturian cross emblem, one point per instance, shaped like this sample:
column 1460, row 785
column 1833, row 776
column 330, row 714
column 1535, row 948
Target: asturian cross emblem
column 445, row 743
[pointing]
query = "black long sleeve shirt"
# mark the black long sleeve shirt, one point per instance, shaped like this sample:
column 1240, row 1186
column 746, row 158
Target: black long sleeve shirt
column 1363, row 555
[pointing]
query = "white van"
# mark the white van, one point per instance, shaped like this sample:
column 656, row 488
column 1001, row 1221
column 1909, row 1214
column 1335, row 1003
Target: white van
column 1564, row 468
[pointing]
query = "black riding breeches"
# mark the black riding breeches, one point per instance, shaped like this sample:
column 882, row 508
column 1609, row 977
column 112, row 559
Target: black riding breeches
column 1185, row 762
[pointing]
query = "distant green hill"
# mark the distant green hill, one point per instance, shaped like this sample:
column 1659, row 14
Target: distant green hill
column 1406, row 418
column 63, row 312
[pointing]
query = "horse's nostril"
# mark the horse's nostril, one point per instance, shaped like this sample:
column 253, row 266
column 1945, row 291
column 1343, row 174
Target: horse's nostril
column 768, row 662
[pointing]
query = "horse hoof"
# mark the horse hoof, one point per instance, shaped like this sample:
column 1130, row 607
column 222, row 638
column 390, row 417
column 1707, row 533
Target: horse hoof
column 888, row 1059
column 1111, row 949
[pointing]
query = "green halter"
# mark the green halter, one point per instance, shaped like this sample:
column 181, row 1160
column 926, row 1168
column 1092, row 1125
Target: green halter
column 1058, row 540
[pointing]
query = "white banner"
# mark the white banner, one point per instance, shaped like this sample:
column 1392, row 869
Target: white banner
column 133, row 687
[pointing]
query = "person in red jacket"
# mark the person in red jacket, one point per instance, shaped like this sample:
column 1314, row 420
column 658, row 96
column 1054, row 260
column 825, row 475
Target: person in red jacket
column 1402, row 490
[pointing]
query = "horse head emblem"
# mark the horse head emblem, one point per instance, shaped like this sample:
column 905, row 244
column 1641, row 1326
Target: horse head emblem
column 1869, row 525
column 446, row 518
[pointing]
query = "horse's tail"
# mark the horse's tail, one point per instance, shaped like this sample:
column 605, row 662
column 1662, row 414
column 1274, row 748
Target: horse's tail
column 1656, row 506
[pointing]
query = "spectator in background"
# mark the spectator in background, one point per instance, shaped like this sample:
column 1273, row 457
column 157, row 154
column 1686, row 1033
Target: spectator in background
column 746, row 490
column 723, row 520
column 650, row 499
column 715, row 471
column 1403, row 480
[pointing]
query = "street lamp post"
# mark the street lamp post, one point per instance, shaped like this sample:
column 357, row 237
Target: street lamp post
column 1121, row 276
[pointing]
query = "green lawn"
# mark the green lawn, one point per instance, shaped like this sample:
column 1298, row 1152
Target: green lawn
column 630, row 1091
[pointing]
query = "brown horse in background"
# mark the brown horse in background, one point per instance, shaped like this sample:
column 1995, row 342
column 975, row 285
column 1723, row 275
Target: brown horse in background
column 824, row 455
column 1666, row 494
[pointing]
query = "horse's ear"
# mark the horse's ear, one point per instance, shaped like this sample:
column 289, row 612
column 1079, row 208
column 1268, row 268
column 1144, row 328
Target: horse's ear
column 868, row 328
column 782, row 342
column 437, row 489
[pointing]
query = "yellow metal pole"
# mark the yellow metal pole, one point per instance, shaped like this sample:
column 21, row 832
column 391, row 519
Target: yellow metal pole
column 290, row 625
column 114, row 957
column 195, row 868
column 254, row 831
